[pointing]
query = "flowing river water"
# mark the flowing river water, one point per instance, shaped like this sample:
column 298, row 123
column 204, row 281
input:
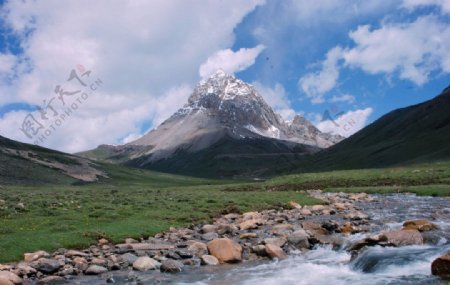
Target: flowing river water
column 324, row 265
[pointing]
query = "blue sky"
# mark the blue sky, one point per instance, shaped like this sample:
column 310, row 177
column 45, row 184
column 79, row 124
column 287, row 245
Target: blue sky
column 355, row 59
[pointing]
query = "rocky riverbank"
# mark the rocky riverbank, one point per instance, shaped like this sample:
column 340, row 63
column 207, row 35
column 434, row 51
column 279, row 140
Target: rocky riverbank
column 231, row 238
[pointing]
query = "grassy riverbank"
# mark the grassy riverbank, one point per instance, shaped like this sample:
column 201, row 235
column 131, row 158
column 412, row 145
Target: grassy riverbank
column 134, row 203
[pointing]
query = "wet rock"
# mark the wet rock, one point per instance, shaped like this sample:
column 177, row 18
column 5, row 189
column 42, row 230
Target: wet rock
column 128, row 258
column 248, row 235
column 420, row 225
column 46, row 265
column 50, row 280
column 299, row 239
column 356, row 215
column 171, row 266
column 305, row 212
column 225, row 250
column 74, row 253
column 131, row 240
column 251, row 216
column 317, row 208
column 347, row 228
column 210, row 236
column 404, row 237
column 23, row 269
column 209, row 229
column 358, row 197
column 274, row 251
column 209, row 260
column 250, row 224
column 278, row 241
column 99, row 261
column 281, row 229
column 103, row 241
column 294, row 205
column 259, row 250
column 80, row 263
column 441, row 266
column 9, row 278
column 32, row 256
column 226, row 229
column 95, row 270
column 198, row 248
column 314, row 229
column 145, row 263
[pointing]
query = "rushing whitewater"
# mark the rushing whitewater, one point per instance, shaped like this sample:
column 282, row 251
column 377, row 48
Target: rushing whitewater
column 324, row 265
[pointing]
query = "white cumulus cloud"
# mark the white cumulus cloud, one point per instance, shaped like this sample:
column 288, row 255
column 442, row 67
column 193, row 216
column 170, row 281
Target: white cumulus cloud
column 410, row 50
column 142, row 50
column 316, row 84
column 345, row 124
column 230, row 61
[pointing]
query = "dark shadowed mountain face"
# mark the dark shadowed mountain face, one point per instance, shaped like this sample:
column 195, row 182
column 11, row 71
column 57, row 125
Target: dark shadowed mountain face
column 418, row 133
column 224, row 118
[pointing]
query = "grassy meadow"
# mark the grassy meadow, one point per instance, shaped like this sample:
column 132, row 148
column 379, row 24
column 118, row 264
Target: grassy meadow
column 136, row 203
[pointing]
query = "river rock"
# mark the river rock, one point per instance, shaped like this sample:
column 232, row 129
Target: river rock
column 250, row 224
column 404, row 237
column 80, row 263
column 95, row 270
column 24, row 269
column 145, row 263
column 198, row 248
column 251, row 216
column 103, row 241
column 356, row 216
column 274, row 251
column 281, row 229
column 299, row 239
column 131, row 240
column 259, row 250
column 50, row 280
column 73, row 253
column 9, row 278
column 210, row 236
column 294, row 205
column 32, row 256
column 223, row 229
column 225, row 250
column 248, row 235
column 278, row 241
column 46, row 265
column 420, row 225
column 209, row 229
column 209, row 260
column 171, row 266
column 441, row 266
column 347, row 228
column 128, row 258
column 314, row 228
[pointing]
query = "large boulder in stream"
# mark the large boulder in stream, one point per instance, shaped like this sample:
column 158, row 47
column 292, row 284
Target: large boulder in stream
column 404, row 237
column 441, row 266
column 225, row 250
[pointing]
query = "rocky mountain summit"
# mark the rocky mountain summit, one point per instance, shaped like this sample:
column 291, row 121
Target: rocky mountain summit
column 222, row 113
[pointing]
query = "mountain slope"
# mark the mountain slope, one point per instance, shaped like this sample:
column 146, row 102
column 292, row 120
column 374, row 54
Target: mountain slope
column 22, row 163
column 418, row 133
column 224, row 117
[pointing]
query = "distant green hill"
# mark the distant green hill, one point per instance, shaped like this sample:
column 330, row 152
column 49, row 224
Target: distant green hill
column 26, row 164
column 415, row 134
